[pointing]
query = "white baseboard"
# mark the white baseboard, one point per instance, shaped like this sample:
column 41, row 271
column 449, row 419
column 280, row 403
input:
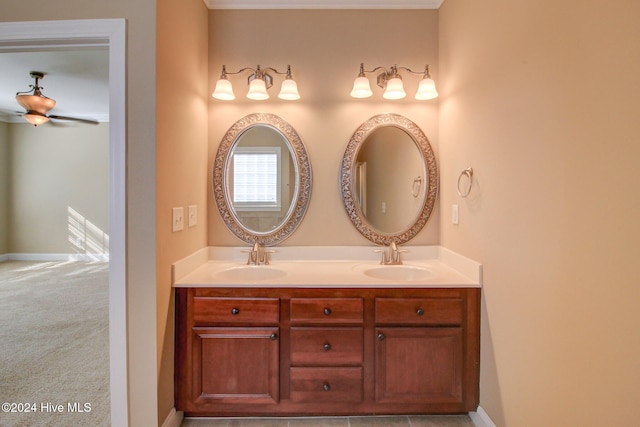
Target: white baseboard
column 174, row 419
column 54, row 257
column 481, row 419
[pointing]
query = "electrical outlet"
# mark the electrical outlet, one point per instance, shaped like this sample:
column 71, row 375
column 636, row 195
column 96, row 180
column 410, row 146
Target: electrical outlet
column 454, row 214
column 193, row 215
column 178, row 219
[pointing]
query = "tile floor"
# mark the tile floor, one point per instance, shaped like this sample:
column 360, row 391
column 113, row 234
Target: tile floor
column 379, row 421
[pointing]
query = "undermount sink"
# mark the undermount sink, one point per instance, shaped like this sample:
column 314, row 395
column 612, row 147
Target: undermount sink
column 405, row 273
column 252, row 273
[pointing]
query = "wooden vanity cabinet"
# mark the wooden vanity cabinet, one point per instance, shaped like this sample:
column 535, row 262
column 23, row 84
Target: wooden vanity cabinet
column 326, row 350
column 233, row 350
column 419, row 350
column 320, row 351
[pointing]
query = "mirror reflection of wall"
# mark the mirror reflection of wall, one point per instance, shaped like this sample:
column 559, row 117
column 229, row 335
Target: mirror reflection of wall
column 261, row 179
column 392, row 162
column 389, row 179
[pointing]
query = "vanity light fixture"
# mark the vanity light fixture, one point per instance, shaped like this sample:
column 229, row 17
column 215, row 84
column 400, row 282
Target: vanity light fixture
column 259, row 81
column 391, row 82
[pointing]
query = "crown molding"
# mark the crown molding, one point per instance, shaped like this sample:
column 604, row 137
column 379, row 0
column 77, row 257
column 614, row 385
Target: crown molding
column 323, row 4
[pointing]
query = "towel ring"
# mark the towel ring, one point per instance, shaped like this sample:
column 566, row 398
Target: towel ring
column 468, row 172
column 417, row 183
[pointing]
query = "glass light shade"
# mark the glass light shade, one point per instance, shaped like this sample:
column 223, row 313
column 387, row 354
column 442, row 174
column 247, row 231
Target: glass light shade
column 395, row 89
column 224, row 90
column 289, row 90
column 426, row 89
column 361, row 88
column 257, row 90
column 40, row 104
column 36, row 119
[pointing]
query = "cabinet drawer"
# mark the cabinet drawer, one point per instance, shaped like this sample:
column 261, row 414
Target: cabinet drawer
column 235, row 310
column 326, row 384
column 422, row 311
column 326, row 346
column 326, row 310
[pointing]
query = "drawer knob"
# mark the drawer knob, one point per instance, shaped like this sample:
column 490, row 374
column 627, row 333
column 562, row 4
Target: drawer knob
column 326, row 387
column 327, row 347
column 327, row 311
column 235, row 311
column 381, row 336
column 274, row 336
column 420, row 312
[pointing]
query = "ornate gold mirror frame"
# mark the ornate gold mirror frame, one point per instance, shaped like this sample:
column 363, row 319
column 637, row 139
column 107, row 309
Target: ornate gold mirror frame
column 347, row 179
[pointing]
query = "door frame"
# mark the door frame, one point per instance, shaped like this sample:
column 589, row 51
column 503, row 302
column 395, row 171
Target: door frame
column 111, row 33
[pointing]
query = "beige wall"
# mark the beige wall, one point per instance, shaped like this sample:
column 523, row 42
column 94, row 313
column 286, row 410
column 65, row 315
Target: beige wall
column 5, row 173
column 552, row 216
column 140, row 158
column 59, row 186
column 393, row 161
column 181, row 160
column 541, row 99
column 324, row 49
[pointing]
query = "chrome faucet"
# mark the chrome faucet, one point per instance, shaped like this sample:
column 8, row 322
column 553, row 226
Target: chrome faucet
column 258, row 255
column 391, row 256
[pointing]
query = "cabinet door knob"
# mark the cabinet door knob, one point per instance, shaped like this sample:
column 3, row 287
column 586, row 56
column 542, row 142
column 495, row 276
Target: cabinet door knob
column 235, row 311
column 381, row 336
column 327, row 347
column 420, row 312
column 273, row 336
column 327, row 311
column 326, row 387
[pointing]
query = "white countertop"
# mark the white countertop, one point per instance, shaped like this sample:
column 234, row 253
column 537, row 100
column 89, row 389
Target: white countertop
column 326, row 267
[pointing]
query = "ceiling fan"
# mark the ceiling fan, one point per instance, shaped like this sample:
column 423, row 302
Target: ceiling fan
column 37, row 105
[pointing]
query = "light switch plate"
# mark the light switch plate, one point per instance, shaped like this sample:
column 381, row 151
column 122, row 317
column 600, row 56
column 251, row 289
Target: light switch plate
column 178, row 219
column 193, row 215
column 454, row 214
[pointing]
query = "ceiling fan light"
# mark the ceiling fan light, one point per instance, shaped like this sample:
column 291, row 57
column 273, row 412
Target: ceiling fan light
column 38, row 103
column 35, row 118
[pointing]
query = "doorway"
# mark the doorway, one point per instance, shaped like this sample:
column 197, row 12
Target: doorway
column 91, row 33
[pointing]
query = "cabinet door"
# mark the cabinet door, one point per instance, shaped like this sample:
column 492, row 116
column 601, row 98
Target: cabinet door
column 235, row 365
column 419, row 365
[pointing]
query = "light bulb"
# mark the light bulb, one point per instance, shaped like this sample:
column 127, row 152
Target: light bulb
column 257, row 90
column 361, row 88
column 289, row 90
column 394, row 89
column 224, row 90
column 35, row 118
column 426, row 89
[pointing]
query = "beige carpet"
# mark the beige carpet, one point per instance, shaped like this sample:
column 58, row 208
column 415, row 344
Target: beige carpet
column 54, row 343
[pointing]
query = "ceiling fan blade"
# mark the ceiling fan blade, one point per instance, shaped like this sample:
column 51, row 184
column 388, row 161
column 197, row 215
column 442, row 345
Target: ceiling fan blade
column 75, row 119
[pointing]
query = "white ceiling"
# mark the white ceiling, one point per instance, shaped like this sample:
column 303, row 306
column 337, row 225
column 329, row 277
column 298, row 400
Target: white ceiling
column 76, row 78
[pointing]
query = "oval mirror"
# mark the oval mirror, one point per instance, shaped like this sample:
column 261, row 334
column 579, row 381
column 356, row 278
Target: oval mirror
column 389, row 179
column 262, row 179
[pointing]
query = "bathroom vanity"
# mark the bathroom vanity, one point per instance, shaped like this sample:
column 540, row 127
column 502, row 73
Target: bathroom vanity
column 325, row 337
column 281, row 330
